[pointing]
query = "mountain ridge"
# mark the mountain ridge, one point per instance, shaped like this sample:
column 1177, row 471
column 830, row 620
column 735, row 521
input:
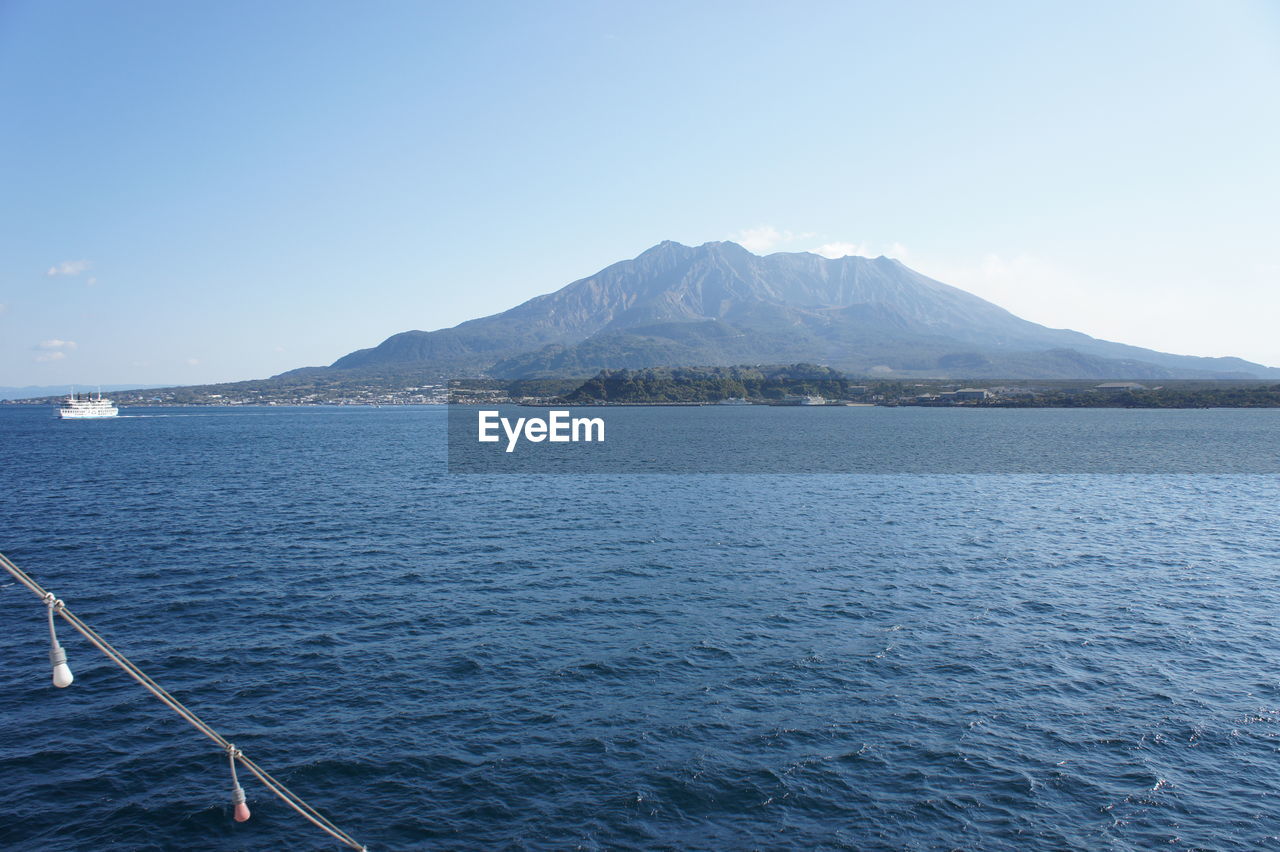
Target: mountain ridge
column 719, row 303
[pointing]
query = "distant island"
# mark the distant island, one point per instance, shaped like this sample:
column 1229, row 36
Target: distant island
column 793, row 384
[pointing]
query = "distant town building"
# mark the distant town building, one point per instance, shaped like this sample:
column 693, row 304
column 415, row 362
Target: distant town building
column 967, row 394
column 1119, row 386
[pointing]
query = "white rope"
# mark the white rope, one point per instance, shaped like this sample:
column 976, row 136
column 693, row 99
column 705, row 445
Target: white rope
column 51, row 602
column 286, row 795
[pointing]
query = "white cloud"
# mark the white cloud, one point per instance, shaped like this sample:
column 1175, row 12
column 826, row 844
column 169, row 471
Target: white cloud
column 193, row 362
column 68, row 267
column 53, row 350
column 838, row 249
column 763, row 238
column 92, row 281
column 758, row 239
column 841, row 248
column 3, row 307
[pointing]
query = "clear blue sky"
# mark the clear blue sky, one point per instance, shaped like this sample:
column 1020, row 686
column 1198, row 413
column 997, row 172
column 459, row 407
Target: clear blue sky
column 224, row 190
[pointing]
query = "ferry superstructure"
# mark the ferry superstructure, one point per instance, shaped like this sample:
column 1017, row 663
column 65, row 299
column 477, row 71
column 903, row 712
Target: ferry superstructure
column 86, row 407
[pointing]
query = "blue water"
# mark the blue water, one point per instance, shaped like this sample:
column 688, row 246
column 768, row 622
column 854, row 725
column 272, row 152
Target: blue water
column 684, row 662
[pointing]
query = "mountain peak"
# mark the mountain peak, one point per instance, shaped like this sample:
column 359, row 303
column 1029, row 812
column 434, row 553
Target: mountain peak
column 709, row 246
column 666, row 248
column 719, row 303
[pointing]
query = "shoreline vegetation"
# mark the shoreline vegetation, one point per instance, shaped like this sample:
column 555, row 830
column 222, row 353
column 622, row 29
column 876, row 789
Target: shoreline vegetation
column 794, row 384
column 807, row 384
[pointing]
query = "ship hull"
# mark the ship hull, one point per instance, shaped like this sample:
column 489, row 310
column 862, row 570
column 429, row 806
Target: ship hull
column 88, row 415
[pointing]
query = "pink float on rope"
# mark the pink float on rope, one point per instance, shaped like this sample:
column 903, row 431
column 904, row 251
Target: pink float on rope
column 240, row 812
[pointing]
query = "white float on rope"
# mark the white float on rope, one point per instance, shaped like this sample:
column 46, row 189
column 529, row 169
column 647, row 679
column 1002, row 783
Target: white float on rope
column 63, row 678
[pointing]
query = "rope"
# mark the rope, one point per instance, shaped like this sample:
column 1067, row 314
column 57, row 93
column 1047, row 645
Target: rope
column 280, row 790
column 50, row 602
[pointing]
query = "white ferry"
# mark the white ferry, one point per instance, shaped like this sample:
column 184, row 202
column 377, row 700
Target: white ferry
column 85, row 407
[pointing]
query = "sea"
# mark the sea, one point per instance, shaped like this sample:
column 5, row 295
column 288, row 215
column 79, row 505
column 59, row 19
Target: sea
column 792, row 659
